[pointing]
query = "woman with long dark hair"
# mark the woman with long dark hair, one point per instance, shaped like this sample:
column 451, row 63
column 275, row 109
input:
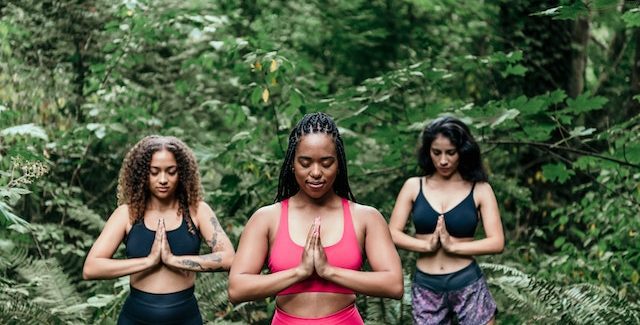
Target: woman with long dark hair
column 161, row 220
column 315, row 238
column 446, row 206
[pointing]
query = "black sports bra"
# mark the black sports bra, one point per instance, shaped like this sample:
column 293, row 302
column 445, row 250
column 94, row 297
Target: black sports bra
column 140, row 239
column 461, row 221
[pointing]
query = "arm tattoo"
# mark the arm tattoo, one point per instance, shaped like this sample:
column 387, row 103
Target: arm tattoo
column 213, row 257
column 217, row 229
column 192, row 264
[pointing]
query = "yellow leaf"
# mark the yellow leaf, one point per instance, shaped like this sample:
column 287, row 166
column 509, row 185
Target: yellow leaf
column 274, row 81
column 274, row 66
column 265, row 95
column 258, row 66
column 129, row 13
column 635, row 277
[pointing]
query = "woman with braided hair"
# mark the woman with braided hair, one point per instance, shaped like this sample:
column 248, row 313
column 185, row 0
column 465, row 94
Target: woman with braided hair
column 161, row 220
column 315, row 238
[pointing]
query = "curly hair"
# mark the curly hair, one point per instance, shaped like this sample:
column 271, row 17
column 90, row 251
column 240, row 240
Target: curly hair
column 470, row 166
column 133, row 181
column 313, row 123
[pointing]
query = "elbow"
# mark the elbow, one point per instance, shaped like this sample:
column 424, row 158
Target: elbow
column 395, row 289
column 87, row 273
column 227, row 261
column 235, row 295
column 396, row 292
column 500, row 247
column 234, row 291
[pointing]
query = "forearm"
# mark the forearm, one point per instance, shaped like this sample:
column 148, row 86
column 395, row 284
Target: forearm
column 109, row 268
column 246, row 287
column 404, row 241
column 483, row 246
column 387, row 284
column 219, row 261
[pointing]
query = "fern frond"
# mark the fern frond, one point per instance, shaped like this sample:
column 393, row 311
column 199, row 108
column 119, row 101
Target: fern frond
column 51, row 288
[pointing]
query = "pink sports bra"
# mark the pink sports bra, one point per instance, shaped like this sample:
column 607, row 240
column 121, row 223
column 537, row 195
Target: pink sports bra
column 285, row 254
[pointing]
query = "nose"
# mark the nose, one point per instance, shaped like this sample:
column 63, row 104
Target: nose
column 316, row 171
column 443, row 160
column 163, row 178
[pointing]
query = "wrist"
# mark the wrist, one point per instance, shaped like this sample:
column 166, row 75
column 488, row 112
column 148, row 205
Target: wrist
column 451, row 248
column 300, row 273
column 327, row 272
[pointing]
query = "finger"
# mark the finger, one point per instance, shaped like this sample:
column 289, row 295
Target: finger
column 307, row 244
column 319, row 238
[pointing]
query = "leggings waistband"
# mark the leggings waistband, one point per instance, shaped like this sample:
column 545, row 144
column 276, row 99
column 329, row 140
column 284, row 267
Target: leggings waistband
column 449, row 281
column 347, row 316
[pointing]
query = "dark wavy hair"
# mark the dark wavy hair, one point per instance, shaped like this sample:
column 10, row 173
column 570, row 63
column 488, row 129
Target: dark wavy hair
column 313, row 123
column 470, row 163
column 133, row 182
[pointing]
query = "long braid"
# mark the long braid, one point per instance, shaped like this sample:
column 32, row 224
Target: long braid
column 313, row 123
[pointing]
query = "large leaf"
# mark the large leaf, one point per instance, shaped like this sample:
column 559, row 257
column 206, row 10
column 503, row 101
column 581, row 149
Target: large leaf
column 585, row 103
column 28, row 129
column 557, row 172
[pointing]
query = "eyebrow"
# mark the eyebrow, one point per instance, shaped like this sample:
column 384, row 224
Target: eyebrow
column 168, row 167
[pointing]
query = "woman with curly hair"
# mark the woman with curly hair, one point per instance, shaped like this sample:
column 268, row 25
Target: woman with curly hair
column 161, row 220
column 446, row 206
column 315, row 238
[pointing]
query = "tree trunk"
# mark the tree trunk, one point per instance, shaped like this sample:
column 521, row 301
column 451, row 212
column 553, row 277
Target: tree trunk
column 580, row 39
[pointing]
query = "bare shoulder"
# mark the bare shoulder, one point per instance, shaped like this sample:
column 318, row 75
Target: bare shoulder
column 483, row 188
column 410, row 188
column 119, row 219
column 265, row 216
column 204, row 210
column 120, row 214
column 366, row 214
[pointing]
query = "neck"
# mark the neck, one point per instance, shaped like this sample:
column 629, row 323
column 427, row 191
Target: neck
column 329, row 198
column 455, row 177
column 158, row 204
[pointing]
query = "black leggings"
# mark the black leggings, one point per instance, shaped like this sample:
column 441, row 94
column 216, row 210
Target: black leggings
column 160, row 308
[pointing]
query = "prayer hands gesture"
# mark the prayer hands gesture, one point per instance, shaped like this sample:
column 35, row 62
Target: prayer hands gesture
column 440, row 237
column 160, row 249
column 313, row 255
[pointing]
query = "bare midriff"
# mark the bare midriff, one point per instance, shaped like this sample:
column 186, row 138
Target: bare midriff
column 314, row 304
column 162, row 279
column 441, row 262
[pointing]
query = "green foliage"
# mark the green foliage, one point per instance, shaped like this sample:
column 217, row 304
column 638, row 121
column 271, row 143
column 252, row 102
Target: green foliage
column 231, row 79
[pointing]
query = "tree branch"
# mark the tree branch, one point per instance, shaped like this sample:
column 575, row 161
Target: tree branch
column 573, row 150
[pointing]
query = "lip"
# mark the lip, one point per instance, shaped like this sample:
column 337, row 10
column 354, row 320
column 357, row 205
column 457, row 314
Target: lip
column 315, row 185
column 163, row 189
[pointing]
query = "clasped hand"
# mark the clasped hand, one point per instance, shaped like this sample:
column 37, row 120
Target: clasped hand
column 313, row 255
column 440, row 237
column 160, row 250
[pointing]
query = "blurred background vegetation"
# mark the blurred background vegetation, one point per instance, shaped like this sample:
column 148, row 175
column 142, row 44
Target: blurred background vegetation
column 550, row 88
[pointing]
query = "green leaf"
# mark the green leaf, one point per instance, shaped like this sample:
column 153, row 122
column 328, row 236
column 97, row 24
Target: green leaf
column 539, row 131
column 529, row 107
column 28, row 129
column 506, row 115
column 580, row 131
column 256, row 95
column 631, row 18
column 585, row 103
column 557, row 172
column 516, row 70
column 631, row 152
column 572, row 12
column 558, row 242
